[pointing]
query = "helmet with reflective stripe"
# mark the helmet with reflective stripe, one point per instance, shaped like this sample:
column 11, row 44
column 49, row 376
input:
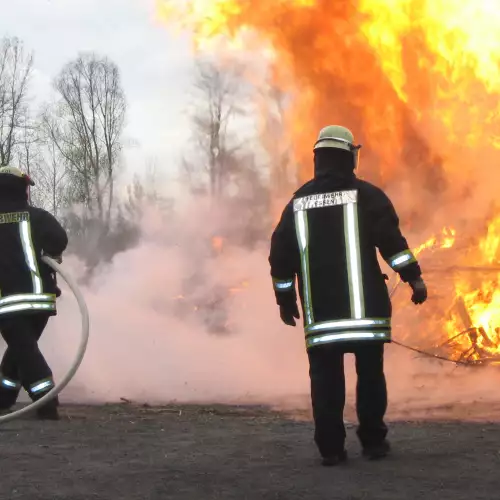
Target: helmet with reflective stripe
column 337, row 137
column 16, row 173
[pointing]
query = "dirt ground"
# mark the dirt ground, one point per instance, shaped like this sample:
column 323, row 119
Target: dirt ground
column 130, row 452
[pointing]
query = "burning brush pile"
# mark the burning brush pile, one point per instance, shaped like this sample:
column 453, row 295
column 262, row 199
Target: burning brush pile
column 461, row 320
column 418, row 81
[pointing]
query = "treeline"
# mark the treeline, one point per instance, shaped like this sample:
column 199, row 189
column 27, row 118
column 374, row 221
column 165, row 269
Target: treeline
column 72, row 147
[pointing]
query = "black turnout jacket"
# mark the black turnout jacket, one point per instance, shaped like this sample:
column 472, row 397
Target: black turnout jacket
column 328, row 238
column 27, row 284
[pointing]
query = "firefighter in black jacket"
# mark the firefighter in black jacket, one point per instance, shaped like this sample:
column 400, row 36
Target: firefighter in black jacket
column 328, row 237
column 27, row 290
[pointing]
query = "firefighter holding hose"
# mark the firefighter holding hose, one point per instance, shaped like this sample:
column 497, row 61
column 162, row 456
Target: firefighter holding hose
column 28, row 291
column 328, row 238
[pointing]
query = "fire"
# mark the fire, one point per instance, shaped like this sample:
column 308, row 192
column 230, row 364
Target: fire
column 445, row 240
column 419, row 83
column 413, row 77
column 476, row 315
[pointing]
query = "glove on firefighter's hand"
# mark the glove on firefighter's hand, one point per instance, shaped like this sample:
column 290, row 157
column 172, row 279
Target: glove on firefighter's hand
column 419, row 291
column 289, row 313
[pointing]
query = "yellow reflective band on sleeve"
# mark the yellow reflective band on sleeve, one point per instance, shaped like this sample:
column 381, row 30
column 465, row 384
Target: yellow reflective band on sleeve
column 283, row 285
column 368, row 323
column 350, row 336
column 401, row 260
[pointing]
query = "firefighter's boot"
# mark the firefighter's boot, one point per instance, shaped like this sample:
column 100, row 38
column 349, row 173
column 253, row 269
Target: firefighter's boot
column 9, row 392
column 49, row 411
column 333, row 460
column 377, row 451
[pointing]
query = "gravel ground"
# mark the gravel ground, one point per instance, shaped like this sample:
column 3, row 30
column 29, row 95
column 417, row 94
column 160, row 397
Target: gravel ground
column 190, row 452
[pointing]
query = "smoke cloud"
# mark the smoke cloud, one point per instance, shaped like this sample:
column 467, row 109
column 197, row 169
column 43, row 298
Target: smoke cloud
column 155, row 340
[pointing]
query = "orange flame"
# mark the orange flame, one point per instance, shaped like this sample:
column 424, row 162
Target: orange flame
column 478, row 299
column 417, row 80
column 402, row 73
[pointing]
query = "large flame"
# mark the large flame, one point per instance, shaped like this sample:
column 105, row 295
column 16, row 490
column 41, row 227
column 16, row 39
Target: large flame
column 419, row 83
column 412, row 77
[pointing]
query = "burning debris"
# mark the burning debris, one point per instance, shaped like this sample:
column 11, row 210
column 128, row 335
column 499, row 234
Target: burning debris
column 466, row 302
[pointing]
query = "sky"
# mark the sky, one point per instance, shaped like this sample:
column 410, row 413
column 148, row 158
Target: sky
column 155, row 63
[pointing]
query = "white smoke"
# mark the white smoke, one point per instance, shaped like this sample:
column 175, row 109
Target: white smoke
column 148, row 345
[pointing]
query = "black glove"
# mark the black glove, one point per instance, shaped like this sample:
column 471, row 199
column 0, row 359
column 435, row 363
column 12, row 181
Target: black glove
column 289, row 313
column 419, row 291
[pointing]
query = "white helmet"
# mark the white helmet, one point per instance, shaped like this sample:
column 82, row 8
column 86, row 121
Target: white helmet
column 335, row 136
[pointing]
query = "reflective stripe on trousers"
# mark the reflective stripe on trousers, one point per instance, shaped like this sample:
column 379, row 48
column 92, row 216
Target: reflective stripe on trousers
column 41, row 386
column 8, row 383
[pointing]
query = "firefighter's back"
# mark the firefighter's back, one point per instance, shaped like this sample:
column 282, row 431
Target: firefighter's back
column 339, row 267
column 26, row 283
column 18, row 260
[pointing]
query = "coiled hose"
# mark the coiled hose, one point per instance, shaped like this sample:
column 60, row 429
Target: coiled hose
column 79, row 355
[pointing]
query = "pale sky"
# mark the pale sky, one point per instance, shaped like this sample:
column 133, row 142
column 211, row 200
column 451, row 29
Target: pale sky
column 155, row 64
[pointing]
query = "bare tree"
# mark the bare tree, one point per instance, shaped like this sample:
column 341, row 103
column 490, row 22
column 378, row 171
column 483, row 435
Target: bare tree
column 86, row 128
column 219, row 96
column 276, row 141
column 50, row 177
column 29, row 157
column 28, row 144
column 15, row 70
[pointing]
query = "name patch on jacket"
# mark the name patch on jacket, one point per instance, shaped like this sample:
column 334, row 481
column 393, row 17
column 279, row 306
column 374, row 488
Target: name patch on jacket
column 325, row 200
column 14, row 217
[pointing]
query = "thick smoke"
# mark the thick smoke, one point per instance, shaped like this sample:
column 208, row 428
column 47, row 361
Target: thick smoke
column 172, row 320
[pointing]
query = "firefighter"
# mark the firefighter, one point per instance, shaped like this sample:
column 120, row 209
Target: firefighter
column 27, row 291
column 328, row 238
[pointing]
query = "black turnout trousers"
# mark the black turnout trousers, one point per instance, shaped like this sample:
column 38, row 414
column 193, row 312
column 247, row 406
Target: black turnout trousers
column 328, row 395
column 23, row 363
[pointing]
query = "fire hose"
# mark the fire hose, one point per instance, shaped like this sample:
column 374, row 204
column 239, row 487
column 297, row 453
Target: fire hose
column 80, row 352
